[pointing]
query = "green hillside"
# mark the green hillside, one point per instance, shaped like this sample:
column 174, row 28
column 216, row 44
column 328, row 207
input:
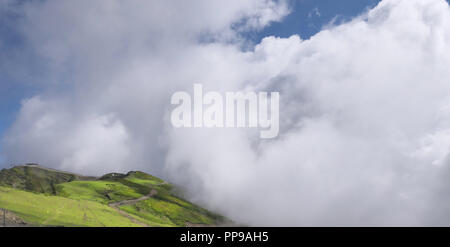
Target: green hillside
column 45, row 197
column 32, row 177
column 45, row 210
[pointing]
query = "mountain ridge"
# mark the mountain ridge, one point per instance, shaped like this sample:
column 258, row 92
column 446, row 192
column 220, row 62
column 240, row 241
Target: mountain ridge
column 43, row 196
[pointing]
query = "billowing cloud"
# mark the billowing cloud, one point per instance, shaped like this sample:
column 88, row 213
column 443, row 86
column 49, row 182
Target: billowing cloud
column 364, row 136
column 116, row 58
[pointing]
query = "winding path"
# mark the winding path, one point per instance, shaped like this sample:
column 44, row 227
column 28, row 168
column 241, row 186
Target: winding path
column 117, row 205
column 153, row 192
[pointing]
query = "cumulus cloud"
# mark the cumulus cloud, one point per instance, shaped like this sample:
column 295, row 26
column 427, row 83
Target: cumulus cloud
column 364, row 135
column 118, row 59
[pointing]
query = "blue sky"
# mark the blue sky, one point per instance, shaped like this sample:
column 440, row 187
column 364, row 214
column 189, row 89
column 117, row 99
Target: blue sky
column 309, row 16
column 306, row 19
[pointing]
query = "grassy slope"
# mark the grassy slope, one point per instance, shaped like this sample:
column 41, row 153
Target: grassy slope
column 163, row 209
column 42, row 209
column 162, row 212
column 98, row 191
column 166, row 208
column 85, row 203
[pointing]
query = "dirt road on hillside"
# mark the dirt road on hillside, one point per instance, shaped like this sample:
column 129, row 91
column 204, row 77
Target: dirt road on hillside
column 117, row 205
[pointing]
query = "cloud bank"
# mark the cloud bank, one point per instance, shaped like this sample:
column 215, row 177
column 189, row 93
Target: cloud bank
column 364, row 112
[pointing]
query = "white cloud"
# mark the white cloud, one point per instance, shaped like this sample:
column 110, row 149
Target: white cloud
column 363, row 106
column 47, row 132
